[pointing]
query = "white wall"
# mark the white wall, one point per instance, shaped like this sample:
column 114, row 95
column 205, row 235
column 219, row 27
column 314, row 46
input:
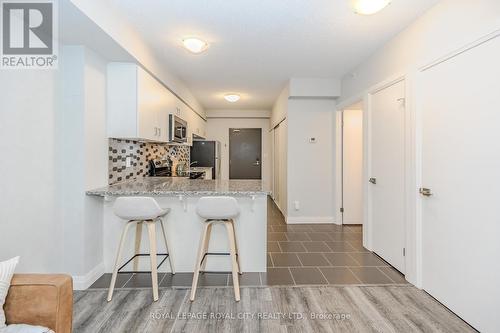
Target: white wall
column 52, row 129
column 306, row 176
column 83, row 157
column 218, row 125
column 96, row 155
column 310, row 165
column 29, row 225
column 353, row 167
column 314, row 87
column 447, row 26
column 279, row 111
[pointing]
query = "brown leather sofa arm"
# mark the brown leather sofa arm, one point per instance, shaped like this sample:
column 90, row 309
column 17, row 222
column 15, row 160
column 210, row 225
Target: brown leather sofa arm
column 41, row 299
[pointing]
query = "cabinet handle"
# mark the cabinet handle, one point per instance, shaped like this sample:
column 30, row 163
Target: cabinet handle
column 159, row 131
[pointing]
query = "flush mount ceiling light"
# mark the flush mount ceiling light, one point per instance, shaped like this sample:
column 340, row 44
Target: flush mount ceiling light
column 369, row 7
column 195, row 45
column 232, row 98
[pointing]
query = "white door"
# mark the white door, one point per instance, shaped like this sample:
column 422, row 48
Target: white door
column 276, row 165
column 352, row 166
column 387, row 190
column 461, row 166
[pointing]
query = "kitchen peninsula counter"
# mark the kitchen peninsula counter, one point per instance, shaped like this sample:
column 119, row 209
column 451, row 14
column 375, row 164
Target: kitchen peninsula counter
column 183, row 226
column 161, row 186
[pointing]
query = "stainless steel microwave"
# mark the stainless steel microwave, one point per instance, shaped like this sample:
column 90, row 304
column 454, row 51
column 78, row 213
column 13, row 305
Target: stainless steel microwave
column 178, row 129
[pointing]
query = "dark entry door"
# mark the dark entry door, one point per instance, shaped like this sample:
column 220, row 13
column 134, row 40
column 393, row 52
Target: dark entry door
column 245, row 149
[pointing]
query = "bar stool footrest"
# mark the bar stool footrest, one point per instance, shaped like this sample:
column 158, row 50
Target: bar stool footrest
column 141, row 255
column 216, row 254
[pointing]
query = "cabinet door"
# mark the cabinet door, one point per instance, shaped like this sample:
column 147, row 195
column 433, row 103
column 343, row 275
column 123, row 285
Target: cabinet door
column 186, row 114
column 169, row 107
column 153, row 104
column 148, row 99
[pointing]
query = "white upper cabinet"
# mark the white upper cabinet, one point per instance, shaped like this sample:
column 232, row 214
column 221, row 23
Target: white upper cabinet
column 154, row 103
column 138, row 105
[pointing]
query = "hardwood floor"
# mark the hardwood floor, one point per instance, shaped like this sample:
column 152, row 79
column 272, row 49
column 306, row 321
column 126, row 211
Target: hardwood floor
column 319, row 279
column 401, row 308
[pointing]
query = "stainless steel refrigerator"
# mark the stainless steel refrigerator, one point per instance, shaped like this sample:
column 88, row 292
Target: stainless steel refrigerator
column 207, row 154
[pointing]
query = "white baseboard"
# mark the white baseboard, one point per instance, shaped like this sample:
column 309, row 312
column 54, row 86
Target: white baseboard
column 82, row 282
column 309, row 219
column 351, row 222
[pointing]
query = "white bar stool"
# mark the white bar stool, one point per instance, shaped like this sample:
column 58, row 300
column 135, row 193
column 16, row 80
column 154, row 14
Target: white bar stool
column 217, row 210
column 141, row 210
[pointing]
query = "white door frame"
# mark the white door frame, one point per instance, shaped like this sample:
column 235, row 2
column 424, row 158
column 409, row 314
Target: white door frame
column 412, row 257
column 339, row 150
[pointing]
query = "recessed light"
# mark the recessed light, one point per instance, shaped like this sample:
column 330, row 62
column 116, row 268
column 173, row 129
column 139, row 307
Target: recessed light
column 195, row 45
column 369, row 7
column 232, row 98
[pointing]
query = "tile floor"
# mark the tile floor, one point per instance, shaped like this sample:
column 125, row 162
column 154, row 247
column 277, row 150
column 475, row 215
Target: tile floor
column 307, row 254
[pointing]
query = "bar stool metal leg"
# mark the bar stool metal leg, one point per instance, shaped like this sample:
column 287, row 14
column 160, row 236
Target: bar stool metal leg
column 234, row 260
column 117, row 261
column 170, row 260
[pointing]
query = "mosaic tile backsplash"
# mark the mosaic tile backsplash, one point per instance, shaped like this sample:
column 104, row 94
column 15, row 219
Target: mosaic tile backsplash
column 141, row 153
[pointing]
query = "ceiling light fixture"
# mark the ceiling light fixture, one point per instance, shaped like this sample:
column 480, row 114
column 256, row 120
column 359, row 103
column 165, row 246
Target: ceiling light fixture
column 369, row 7
column 195, row 45
column 232, row 98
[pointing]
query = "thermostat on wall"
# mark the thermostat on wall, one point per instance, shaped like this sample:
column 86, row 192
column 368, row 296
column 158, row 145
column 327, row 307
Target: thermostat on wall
column 312, row 140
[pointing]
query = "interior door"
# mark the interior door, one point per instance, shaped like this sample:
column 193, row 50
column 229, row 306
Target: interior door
column 461, row 168
column 245, row 149
column 352, row 166
column 276, row 164
column 387, row 174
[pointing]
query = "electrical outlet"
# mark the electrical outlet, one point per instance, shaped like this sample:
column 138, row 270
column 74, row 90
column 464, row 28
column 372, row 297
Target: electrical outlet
column 296, row 205
column 128, row 161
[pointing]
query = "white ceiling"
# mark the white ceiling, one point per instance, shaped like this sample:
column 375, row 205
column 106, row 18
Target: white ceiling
column 256, row 46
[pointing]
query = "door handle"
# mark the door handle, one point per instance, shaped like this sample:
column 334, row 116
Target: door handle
column 426, row 192
column 257, row 163
column 373, row 180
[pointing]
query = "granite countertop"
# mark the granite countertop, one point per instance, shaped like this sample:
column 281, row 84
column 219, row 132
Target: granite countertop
column 171, row 186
